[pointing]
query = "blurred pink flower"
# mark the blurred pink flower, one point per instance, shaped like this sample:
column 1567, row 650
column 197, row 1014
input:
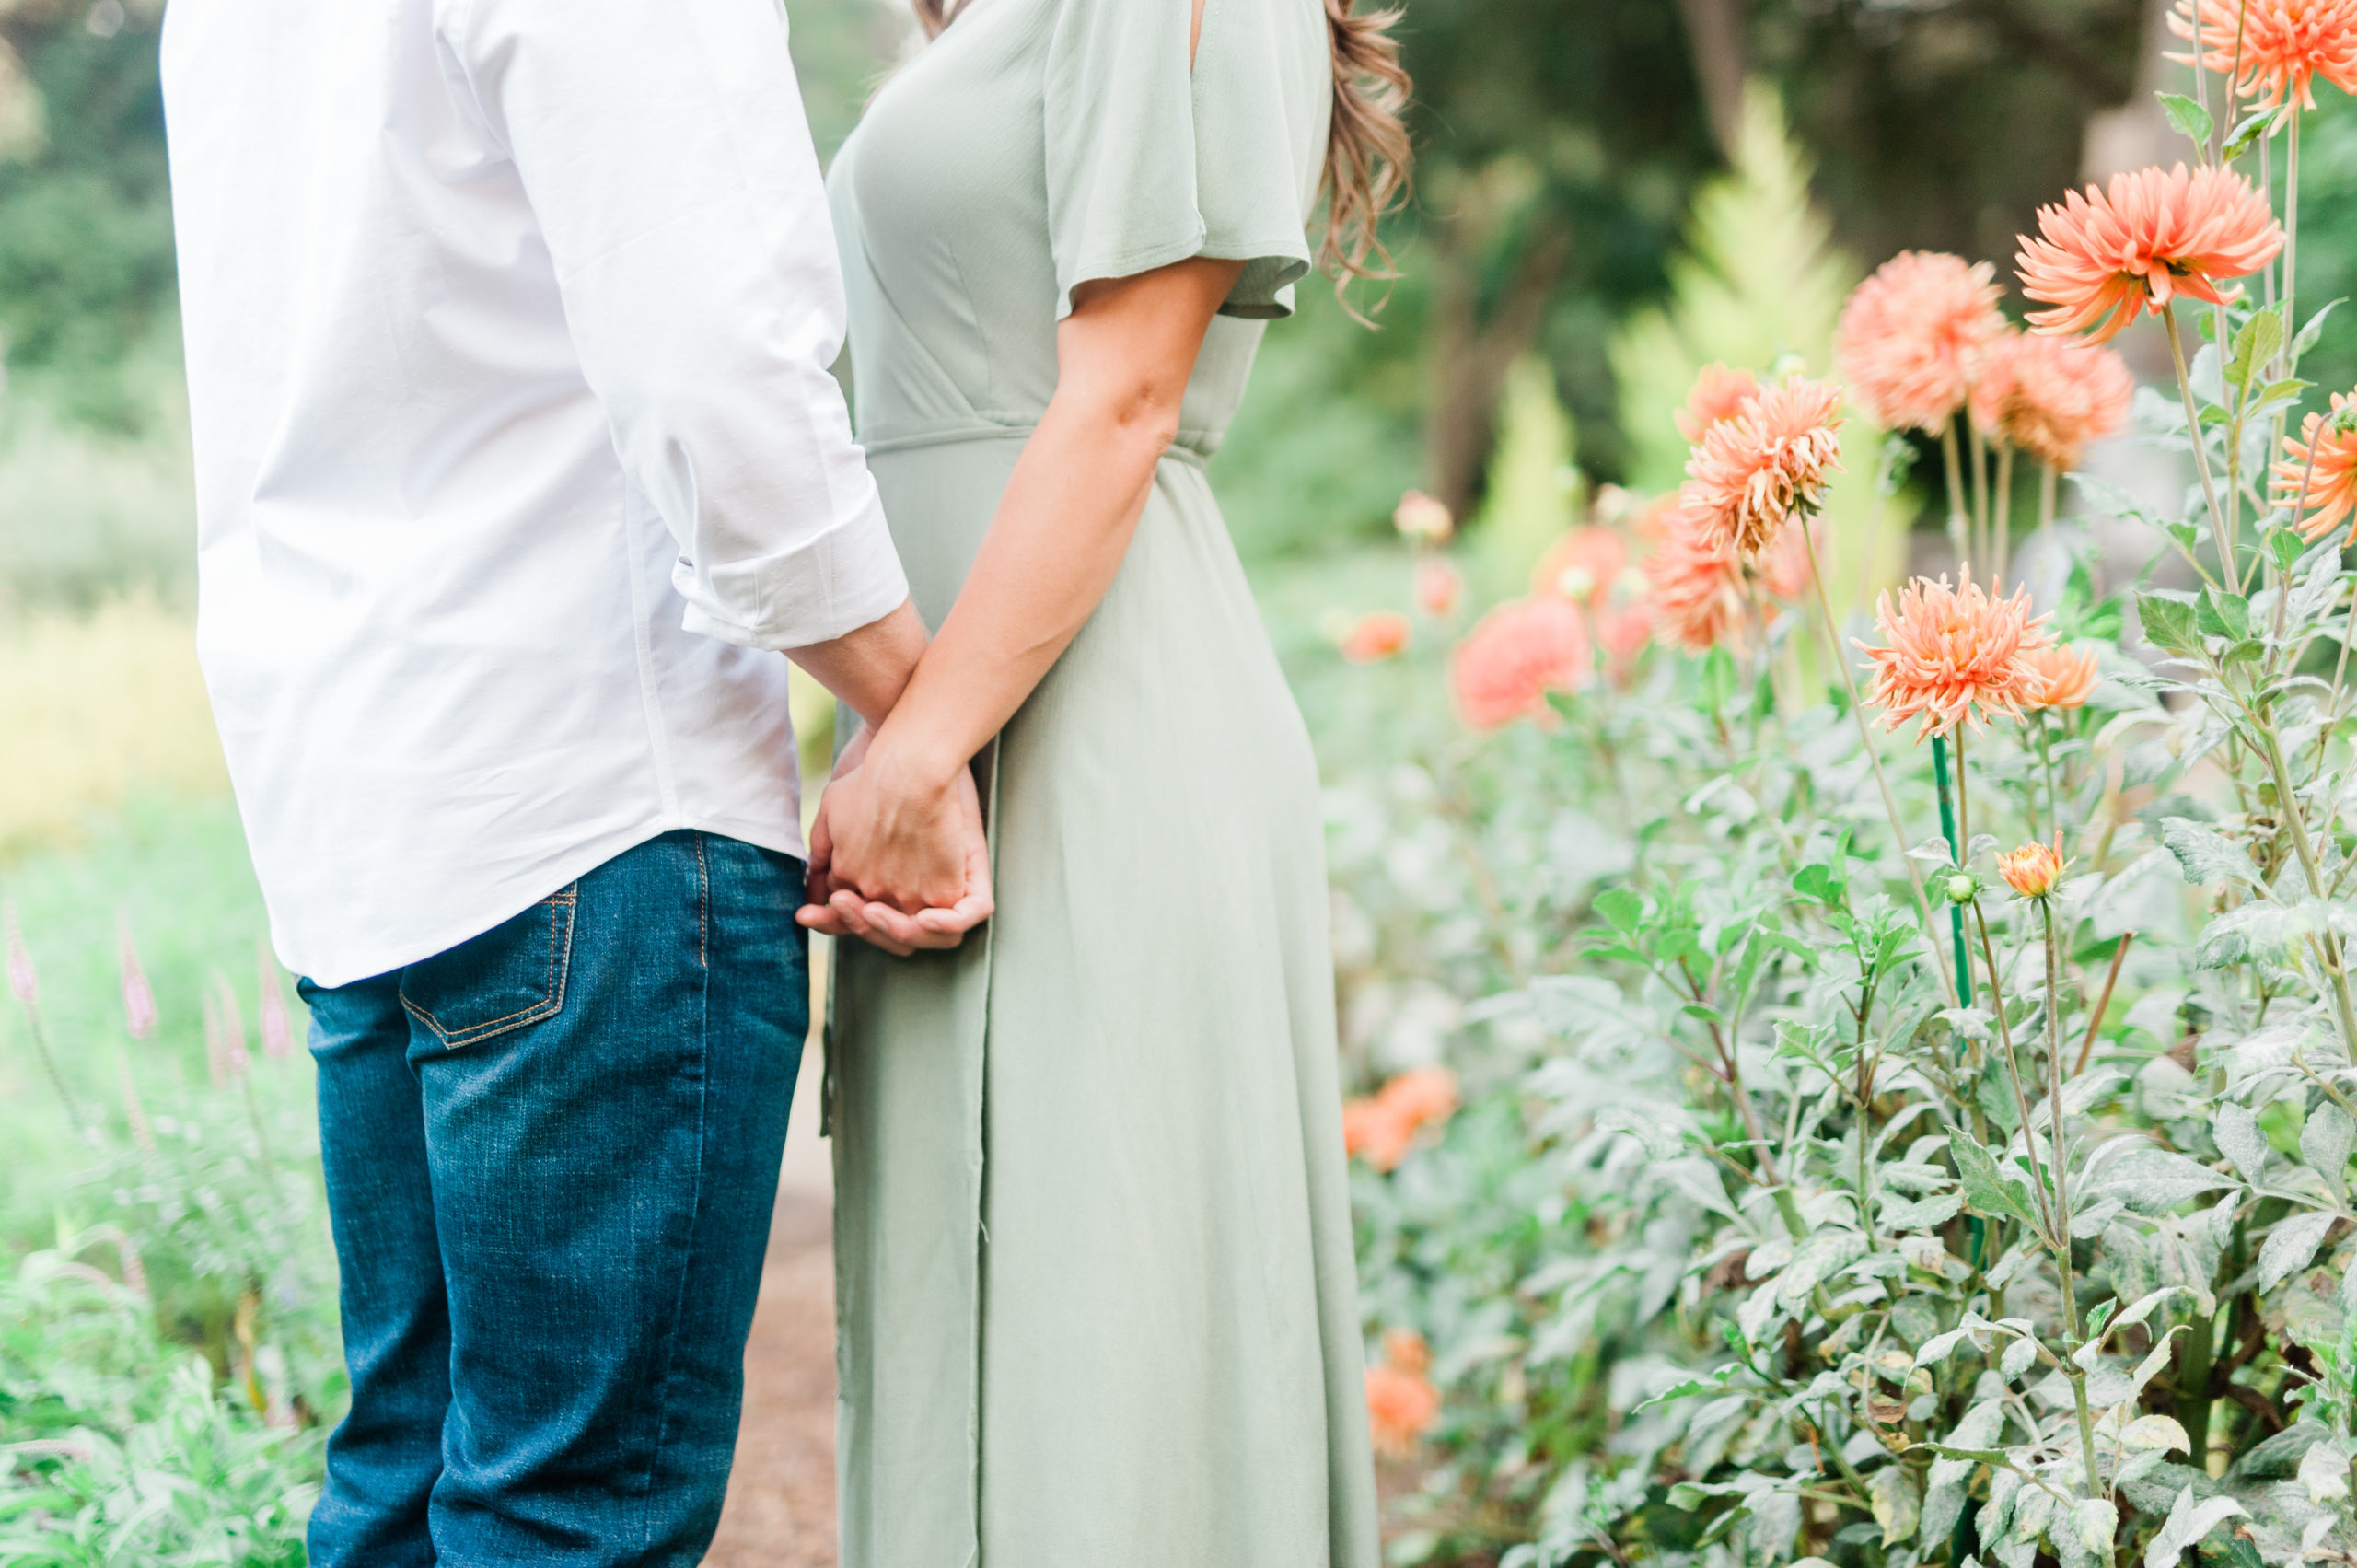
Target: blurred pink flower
column 2103, row 257
column 23, row 983
column 1400, row 1408
column 1517, row 654
column 1754, row 473
column 138, row 998
column 1423, row 518
column 2051, row 395
column 1913, row 336
column 1439, row 586
column 277, row 1033
column 1377, row 635
column 1719, row 394
column 1698, row 600
column 1581, row 565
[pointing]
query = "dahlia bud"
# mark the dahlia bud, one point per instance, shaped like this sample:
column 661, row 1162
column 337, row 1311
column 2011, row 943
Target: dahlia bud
column 1962, row 887
column 2031, row 870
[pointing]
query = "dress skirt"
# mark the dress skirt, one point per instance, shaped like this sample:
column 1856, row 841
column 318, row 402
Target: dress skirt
column 1092, row 1232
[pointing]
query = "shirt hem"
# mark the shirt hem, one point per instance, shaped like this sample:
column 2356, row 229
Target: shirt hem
column 368, row 965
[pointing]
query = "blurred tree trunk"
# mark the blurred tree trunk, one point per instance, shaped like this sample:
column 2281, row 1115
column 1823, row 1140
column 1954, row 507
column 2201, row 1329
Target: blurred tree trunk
column 1715, row 31
column 1468, row 349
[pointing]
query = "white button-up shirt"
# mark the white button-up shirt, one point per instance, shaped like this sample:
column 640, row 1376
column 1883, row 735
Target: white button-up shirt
column 508, row 325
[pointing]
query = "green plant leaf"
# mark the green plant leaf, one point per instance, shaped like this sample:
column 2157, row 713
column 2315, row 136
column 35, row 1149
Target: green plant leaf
column 2205, row 856
column 2314, row 331
column 2189, row 118
column 2167, row 623
column 2222, row 615
column 2256, row 346
column 1986, row 1190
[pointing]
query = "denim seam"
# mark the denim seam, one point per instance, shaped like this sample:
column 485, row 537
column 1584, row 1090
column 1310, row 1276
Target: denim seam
column 548, row 1006
column 703, row 910
column 695, row 1206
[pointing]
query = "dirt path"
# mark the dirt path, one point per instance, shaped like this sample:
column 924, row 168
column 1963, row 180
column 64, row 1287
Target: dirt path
column 780, row 1511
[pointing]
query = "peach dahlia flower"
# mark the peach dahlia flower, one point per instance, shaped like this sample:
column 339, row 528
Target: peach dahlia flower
column 2051, row 395
column 1719, row 393
column 2066, row 680
column 1953, row 655
column 2105, row 256
column 1701, row 593
column 1582, row 565
column 2031, row 870
column 1517, row 654
column 2273, row 48
column 1753, row 473
column 1400, row 1408
column 1913, row 336
column 2328, row 490
column 1377, row 635
column 1381, row 1127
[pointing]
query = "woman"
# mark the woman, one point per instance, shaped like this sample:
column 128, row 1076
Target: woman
column 1094, row 1257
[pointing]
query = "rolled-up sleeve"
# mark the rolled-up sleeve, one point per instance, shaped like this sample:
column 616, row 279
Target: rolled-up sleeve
column 666, row 156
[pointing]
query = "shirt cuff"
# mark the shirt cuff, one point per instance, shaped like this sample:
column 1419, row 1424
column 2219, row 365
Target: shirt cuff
column 825, row 587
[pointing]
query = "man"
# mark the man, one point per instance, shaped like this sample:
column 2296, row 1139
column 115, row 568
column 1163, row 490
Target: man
column 509, row 327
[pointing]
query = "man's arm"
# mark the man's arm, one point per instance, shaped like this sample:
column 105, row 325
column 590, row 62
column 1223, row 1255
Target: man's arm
column 664, row 154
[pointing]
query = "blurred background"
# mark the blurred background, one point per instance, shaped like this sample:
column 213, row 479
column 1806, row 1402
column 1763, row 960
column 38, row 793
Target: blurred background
column 1609, row 194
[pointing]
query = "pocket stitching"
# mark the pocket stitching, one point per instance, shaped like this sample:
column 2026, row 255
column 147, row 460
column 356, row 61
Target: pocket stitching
column 560, row 966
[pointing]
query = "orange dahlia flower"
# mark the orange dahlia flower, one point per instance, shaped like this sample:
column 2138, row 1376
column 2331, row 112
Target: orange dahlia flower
column 1753, row 473
column 1400, row 1408
column 2104, row 257
column 2065, row 679
column 2273, row 48
column 1701, row 592
column 1719, row 393
column 2319, row 471
column 1380, row 1128
column 1952, row 655
column 1517, row 654
column 2031, row 870
column 1439, row 586
column 1406, row 1349
column 1377, row 635
column 1913, row 336
column 2051, row 395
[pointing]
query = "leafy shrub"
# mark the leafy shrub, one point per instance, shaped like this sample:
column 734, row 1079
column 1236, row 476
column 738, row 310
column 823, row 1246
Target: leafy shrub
column 1835, row 1186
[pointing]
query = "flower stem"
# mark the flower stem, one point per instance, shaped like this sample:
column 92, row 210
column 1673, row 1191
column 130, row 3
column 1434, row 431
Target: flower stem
column 1979, row 450
column 1956, row 853
column 1866, row 739
column 2288, row 804
column 1955, row 464
column 56, row 1078
column 2047, row 484
column 2063, row 1192
column 2200, row 447
column 2004, row 509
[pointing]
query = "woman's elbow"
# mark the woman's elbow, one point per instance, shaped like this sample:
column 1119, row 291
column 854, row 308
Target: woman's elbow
column 1134, row 413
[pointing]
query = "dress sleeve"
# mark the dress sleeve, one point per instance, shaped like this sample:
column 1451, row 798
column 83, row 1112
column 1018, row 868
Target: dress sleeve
column 1150, row 161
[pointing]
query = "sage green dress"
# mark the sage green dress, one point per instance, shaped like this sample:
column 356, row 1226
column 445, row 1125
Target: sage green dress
column 1093, row 1242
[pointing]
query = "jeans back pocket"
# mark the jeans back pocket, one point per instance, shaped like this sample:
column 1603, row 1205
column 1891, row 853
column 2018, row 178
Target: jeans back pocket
column 510, row 976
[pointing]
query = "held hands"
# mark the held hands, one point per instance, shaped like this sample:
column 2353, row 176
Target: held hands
column 897, row 854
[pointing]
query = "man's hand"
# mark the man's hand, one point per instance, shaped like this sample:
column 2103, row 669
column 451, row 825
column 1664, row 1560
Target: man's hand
column 899, row 861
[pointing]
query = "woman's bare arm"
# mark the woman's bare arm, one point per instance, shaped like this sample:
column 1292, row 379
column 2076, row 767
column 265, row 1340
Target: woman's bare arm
column 1062, row 527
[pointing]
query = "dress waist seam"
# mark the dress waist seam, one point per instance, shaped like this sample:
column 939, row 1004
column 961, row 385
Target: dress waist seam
column 951, row 435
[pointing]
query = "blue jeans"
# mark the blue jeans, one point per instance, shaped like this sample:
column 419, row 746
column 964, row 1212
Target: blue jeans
column 552, row 1154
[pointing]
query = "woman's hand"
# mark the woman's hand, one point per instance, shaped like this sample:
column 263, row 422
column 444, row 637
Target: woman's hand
column 898, row 855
